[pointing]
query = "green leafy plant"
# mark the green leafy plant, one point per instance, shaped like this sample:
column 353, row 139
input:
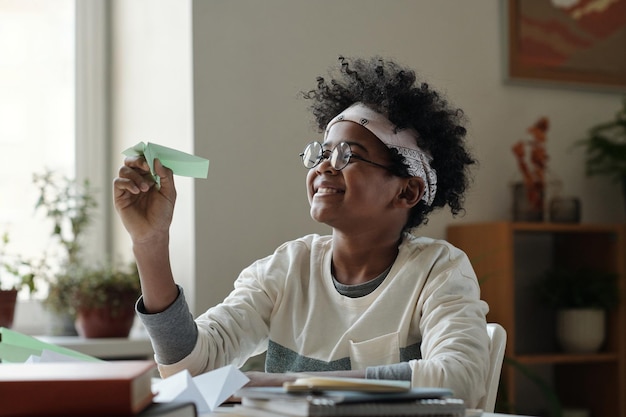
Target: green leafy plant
column 76, row 282
column 605, row 147
column 70, row 205
column 551, row 397
column 95, row 286
column 578, row 288
column 16, row 272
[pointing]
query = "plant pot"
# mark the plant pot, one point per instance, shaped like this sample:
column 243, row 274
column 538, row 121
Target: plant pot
column 8, row 299
column 101, row 322
column 581, row 330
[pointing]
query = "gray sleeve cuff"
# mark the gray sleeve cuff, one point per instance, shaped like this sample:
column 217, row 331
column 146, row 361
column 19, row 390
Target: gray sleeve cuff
column 173, row 332
column 398, row 371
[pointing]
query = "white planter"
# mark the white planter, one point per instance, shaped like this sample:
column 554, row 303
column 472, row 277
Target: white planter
column 581, row 330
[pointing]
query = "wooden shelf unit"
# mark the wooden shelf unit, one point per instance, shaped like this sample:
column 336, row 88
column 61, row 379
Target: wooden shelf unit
column 508, row 258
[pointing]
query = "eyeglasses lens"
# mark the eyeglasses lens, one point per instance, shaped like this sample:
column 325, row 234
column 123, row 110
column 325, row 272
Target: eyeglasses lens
column 312, row 154
column 340, row 156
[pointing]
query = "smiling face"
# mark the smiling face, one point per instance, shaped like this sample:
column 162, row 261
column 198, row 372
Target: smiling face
column 361, row 195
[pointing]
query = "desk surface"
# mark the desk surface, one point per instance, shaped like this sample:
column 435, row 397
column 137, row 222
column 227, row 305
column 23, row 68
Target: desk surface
column 229, row 412
column 125, row 348
column 501, row 415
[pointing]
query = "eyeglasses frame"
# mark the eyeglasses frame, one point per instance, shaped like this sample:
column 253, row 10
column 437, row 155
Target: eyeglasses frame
column 350, row 156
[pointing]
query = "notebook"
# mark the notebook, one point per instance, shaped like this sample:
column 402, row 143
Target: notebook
column 424, row 402
column 317, row 383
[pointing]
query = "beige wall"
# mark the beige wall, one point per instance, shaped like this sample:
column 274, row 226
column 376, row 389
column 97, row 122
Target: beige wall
column 151, row 101
column 250, row 60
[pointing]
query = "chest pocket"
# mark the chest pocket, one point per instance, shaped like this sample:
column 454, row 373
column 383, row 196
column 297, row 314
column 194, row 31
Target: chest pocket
column 383, row 350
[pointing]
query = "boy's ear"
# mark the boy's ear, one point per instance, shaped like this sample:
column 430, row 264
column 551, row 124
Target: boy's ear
column 411, row 192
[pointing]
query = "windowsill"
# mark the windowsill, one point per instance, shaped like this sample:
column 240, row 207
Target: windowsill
column 32, row 319
column 105, row 348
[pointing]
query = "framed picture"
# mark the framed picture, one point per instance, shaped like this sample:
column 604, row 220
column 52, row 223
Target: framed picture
column 568, row 42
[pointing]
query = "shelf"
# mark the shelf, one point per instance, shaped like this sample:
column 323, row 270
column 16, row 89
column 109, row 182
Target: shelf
column 509, row 259
column 564, row 227
column 566, row 358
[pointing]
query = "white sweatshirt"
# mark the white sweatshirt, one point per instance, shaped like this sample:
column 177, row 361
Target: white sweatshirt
column 426, row 312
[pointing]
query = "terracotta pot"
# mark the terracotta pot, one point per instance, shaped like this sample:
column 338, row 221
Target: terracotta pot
column 99, row 322
column 8, row 300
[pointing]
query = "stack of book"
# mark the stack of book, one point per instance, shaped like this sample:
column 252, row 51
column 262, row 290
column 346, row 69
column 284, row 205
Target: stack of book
column 95, row 389
column 310, row 397
column 120, row 388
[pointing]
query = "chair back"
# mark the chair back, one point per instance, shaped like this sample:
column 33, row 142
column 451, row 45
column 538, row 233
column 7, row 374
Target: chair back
column 497, row 335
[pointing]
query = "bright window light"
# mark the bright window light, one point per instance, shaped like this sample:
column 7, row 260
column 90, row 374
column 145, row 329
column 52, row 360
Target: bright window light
column 37, row 112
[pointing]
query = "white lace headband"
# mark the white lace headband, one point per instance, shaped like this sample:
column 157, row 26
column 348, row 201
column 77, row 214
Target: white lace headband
column 403, row 140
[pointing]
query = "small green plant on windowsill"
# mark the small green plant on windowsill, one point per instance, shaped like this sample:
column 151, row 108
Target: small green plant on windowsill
column 106, row 286
column 16, row 272
column 69, row 204
column 78, row 287
column 102, row 292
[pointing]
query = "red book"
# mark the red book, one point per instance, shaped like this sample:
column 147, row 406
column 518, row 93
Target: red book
column 115, row 388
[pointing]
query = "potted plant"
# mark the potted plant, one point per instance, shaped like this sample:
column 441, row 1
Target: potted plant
column 80, row 289
column 16, row 273
column 531, row 157
column 103, row 298
column 581, row 297
column 605, row 149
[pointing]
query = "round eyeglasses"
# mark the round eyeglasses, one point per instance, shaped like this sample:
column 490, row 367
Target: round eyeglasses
column 339, row 157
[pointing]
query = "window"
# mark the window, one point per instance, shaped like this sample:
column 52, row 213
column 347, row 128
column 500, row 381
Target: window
column 52, row 111
column 37, row 128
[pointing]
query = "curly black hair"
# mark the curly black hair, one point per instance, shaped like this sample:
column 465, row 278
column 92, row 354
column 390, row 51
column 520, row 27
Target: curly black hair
column 392, row 90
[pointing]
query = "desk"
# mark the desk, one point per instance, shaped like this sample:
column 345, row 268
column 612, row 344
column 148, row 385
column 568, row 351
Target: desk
column 500, row 415
column 229, row 412
column 105, row 348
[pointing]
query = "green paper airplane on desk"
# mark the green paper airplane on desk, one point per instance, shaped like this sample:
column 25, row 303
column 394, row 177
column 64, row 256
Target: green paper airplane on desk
column 18, row 347
column 179, row 162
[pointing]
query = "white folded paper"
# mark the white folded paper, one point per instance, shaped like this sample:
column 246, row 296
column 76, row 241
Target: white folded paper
column 207, row 390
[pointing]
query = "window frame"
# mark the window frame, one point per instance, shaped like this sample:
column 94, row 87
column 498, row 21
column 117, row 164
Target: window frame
column 93, row 155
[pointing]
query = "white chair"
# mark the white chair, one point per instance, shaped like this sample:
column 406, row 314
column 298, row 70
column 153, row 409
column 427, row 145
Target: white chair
column 497, row 334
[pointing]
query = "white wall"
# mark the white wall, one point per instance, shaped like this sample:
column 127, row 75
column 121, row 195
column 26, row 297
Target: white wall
column 152, row 102
column 251, row 59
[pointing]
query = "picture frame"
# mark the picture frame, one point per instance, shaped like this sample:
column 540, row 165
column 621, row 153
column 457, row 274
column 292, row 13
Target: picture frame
column 578, row 43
